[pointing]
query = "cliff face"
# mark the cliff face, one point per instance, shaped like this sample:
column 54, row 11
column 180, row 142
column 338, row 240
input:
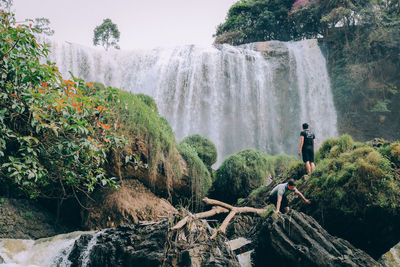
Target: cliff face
column 365, row 83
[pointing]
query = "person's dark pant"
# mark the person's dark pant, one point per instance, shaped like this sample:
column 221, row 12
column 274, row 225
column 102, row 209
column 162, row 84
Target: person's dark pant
column 284, row 203
column 308, row 153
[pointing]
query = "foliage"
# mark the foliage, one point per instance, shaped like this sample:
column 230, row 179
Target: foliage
column 149, row 101
column 106, row 35
column 205, row 149
column 257, row 20
column 54, row 133
column 241, row 173
column 42, row 25
column 200, row 177
column 333, row 147
column 392, row 152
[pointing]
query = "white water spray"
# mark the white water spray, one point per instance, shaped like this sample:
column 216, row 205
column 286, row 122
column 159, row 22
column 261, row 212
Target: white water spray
column 44, row 252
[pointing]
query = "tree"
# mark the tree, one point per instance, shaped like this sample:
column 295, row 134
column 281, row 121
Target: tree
column 42, row 25
column 106, row 35
column 257, row 20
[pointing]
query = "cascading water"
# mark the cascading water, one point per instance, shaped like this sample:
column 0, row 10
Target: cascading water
column 235, row 96
column 44, row 252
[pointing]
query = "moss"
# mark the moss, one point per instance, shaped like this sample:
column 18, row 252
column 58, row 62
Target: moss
column 355, row 193
column 149, row 101
column 138, row 117
column 200, row 177
column 241, row 173
column 353, row 179
column 259, row 191
column 283, row 163
column 99, row 86
column 205, row 149
column 334, row 147
column 392, row 152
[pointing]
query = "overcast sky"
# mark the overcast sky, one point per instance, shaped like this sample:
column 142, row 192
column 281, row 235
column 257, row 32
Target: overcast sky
column 143, row 24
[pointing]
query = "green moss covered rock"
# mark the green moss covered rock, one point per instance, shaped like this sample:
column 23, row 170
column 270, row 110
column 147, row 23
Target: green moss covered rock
column 200, row 178
column 355, row 193
column 205, row 149
column 241, row 173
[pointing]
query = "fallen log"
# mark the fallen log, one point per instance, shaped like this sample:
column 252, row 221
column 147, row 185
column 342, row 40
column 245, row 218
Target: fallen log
column 220, row 207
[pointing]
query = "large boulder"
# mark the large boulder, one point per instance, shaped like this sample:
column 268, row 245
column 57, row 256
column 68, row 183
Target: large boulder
column 241, row 173
column 206, row 150
column 152, row 244
column 296, row 239
column 355, row 192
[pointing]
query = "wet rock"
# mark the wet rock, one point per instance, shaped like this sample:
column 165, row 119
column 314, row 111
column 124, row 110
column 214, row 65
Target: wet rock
column 392, row 257
column 153, row 245
column 296, row 239
column 26, row 219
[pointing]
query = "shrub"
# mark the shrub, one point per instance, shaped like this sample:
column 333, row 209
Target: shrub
column 334, row 146
column 392, row 152
column 204, row 147
column 241, row 173
column 54, row 133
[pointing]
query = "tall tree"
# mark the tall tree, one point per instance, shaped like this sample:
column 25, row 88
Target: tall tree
column 106, row 35
column 42, row 25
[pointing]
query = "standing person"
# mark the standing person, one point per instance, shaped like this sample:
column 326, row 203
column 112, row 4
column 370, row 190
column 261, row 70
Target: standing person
column 279, row 193
column 307, row 145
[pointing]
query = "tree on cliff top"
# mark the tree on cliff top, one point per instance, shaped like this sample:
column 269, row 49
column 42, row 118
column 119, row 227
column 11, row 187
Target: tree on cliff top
column 106, row 35
column 257, row 20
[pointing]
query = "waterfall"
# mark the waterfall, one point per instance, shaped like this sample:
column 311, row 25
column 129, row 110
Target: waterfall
column 44, row 252
column 238, row 97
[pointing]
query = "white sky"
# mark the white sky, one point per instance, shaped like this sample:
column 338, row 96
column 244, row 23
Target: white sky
column 143, row 24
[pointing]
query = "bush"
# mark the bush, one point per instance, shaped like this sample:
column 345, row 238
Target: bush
column 241, row 173
column 333, row 147
column 200, row 177
column 205, row 149
column 392, row 152
column 54, row 133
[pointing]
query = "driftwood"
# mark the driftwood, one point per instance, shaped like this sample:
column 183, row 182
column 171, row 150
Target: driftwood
column 219, row 207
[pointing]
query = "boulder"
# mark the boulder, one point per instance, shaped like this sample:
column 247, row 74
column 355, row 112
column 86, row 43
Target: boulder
column 296, row 239
column 22, row 218
column 392, row 257
column 152, row 244
column 354, row 193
